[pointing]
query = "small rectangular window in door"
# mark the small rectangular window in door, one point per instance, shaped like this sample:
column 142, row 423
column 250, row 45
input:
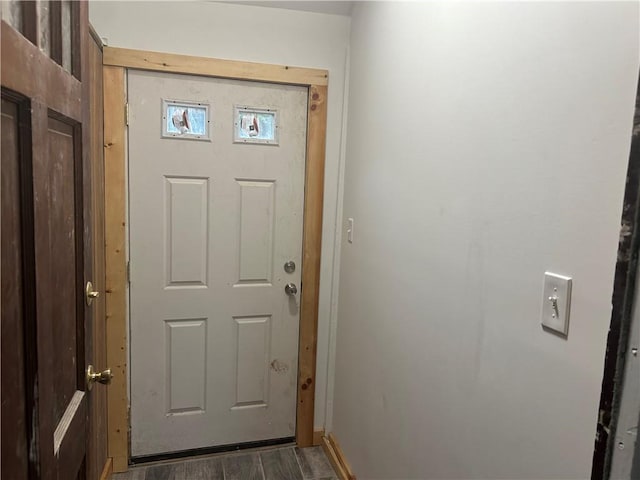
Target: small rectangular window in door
column 188, row 120
column 255, row 125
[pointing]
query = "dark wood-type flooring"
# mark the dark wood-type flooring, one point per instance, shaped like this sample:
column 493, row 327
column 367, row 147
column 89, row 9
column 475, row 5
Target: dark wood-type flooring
column 288, row 463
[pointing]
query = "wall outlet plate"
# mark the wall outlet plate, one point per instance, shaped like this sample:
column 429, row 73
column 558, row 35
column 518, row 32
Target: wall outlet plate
column 556, row 303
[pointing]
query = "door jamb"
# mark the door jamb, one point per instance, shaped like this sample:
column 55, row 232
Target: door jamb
column 115, row 63
column 622, row 303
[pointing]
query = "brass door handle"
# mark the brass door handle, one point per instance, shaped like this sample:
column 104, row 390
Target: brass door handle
column 104, row 377
column 90, row 293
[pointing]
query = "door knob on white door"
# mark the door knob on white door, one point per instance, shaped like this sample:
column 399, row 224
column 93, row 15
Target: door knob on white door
column 291, row 289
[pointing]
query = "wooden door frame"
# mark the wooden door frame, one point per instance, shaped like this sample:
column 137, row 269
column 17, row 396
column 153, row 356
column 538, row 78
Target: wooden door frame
column 115, row 63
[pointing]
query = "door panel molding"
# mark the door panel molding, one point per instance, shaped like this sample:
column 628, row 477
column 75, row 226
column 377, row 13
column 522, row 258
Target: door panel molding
column 116, row 61
column 19, row 371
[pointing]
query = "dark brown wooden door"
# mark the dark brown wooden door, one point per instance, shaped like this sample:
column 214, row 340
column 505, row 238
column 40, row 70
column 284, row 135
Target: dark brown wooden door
column 46, row 240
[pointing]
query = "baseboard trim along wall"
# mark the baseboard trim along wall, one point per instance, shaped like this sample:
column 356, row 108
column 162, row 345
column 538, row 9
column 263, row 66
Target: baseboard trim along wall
column 337, row 458
column 107, row 471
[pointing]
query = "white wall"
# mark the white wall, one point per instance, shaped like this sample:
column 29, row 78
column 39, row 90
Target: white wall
column 487, row 143
column 282, row 37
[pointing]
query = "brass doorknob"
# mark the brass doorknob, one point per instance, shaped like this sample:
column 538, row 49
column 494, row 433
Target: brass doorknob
column 104, row 377
column 90, row 293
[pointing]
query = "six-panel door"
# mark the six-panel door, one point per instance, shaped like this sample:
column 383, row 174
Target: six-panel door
column 216, row 187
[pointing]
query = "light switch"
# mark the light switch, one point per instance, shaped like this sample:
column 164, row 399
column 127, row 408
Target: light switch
column 556, row 303
column 350, row 230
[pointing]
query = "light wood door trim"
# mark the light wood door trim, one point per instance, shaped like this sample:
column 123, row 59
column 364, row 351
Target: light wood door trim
column 213, row 67
column 311, row 255
column 115, row 61
column 116, row 268
column 311, row 248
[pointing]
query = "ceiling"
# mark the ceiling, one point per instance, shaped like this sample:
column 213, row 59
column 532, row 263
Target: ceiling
column 329, row 7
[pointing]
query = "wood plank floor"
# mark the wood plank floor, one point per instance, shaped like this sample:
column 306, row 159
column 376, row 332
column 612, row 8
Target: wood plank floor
column 287, row 463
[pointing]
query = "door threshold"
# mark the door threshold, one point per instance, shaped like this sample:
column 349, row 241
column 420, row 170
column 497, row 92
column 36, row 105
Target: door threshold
column 197, row 452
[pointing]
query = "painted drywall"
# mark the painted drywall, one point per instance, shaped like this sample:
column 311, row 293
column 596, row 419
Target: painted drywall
column 339, row 7
column 257, row 34
column 487, row 143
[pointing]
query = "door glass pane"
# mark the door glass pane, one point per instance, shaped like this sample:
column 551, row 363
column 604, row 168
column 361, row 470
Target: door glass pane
column 44, row 30
column 66, row 35
column 12, row 13
column 185, row 120
column 255, row 125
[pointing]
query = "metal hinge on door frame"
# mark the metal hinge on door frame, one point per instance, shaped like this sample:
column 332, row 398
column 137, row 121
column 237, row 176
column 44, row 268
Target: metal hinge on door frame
column 128, row 271
column 126, row 113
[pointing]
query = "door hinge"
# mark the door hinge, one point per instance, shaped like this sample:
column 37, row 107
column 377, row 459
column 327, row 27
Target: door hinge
column 128, row 272
column 126, row 113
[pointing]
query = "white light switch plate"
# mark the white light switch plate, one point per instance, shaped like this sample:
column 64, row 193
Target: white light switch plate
column 556, row 303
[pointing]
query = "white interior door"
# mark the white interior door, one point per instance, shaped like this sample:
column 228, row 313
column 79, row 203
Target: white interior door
column 214, row 335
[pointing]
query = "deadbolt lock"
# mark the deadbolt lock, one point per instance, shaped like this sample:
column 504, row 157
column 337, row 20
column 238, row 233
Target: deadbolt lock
column 290, row 266
column 104, row 377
